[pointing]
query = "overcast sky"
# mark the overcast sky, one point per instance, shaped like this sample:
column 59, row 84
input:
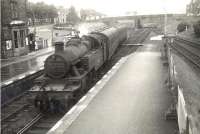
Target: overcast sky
column 120, row 7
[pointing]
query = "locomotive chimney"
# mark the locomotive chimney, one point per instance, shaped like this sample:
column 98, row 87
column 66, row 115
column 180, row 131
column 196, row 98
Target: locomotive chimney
column 59, row 47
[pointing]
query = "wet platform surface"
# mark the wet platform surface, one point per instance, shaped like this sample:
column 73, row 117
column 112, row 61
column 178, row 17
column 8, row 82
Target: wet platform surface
column 19, row 66
column 132, row 101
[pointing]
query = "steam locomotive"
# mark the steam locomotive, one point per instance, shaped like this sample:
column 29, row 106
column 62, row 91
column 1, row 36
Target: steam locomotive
column 71, row 69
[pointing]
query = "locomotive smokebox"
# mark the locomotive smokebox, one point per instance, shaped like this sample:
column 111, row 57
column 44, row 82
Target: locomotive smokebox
column 59, row 47
column 56, row 66
column 59, row 64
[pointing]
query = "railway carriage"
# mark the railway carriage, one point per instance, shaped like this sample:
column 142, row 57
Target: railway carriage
column 69, row 72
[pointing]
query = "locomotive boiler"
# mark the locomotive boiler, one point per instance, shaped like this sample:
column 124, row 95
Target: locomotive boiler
column 71, row 69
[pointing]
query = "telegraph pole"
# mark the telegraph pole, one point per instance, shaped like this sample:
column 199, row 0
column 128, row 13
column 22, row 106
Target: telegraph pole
column 33, row 13
column 165, row 24
column 165, row 19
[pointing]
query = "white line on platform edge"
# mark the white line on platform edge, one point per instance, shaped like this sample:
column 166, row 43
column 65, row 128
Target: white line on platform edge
column 105, row 76
column 21, row 77
column 92, row 89
column 72, row 109
column 82, row 99
column 99, row 82
column 56, row 125
column 114, row 67
column 82, row 107
column 9, row 82
column 32, row 72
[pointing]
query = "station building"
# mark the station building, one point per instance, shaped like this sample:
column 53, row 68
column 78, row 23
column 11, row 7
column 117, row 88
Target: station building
column 14, row 28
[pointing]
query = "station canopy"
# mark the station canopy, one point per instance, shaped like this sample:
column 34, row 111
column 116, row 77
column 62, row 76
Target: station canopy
column 17, row 23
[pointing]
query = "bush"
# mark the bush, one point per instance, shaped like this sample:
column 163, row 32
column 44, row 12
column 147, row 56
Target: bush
column 182, row 26
column 196, row 28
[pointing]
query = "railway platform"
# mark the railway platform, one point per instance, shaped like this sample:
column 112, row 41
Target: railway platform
column 130, row 99
column 18, row 67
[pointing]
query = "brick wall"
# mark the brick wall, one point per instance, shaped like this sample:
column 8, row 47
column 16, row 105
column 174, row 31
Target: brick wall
column 6, row 12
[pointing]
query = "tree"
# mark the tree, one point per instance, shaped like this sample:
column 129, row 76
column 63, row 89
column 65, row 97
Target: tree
column 182, row 26
column 84, row 13
column 72, row 16
column 41, row 11
column 196, row 28
column 51, row 12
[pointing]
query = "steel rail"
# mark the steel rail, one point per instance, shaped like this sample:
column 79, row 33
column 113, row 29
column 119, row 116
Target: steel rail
column 187, row 54
column 189, row 42
column 14, row 112
column 30, row 124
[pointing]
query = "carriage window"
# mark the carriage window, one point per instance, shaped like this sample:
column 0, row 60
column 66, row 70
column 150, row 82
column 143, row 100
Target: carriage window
column 14, row 12
column 15, row 39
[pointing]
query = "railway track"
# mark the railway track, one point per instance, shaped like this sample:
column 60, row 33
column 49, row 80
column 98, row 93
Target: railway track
column 192, row 42
column 138, row 36
column 190, row 50
column 12, row 91
column 30, row 124
column 41, row 124
column 16, row 114
column 20, row 117
column 10, row 109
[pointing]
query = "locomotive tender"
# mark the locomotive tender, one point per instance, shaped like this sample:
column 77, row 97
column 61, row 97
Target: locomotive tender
column 71, row 69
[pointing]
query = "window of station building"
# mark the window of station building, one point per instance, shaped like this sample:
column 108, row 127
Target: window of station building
column 8, row 44
column 15, row 39
column 27, row 42
column 22, row 38
column 12, row 9
column 14, row 12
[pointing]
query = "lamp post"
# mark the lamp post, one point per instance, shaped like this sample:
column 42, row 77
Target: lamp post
column 165, row 24
column 32, row 47
column 33, row 14
column 165, row 18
